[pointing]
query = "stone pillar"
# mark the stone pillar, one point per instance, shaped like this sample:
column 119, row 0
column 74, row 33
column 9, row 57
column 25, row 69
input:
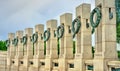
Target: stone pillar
column 29, row 32
column 25, row 47
column 16, row 47
column 12, row 55
column 52, row 24
column 19, row 35
column 10, row 49
column 66, row 42
column 51, row 45
column 19, row 50
column 39, row 48
column 105, row 36
column 29, row 55
column 83, row 38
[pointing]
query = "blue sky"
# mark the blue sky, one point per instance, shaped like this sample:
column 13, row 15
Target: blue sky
column 20, row 14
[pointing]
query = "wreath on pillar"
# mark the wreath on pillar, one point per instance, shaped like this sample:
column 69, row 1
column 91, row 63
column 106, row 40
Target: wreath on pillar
column 24, row 40
column 60, row 31
column 99, row 16
column 76, row 30
column 46, row 35
column 15, row 41
column 7, row 42
column 34, row 37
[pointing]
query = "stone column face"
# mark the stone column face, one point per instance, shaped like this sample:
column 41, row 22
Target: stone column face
column 10, row 53
column 19, row 47
column 39, row 45
column 66, row 42
column 25, row 47
column 51, row 45
column 83, row 37
column 11, row 50
column 29, row 32
column 107, row 39
column 106, row 31
column 84, row 40
column 11, row 36
column 105, row 36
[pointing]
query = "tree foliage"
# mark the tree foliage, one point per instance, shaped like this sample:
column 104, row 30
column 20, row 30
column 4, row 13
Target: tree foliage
column 3, row 46
column 118, row 33
column 118, row 27
column 119, row 54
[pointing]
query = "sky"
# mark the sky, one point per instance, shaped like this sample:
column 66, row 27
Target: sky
column 20, row 14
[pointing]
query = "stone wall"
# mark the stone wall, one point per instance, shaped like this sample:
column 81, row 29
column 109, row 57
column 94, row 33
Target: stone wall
column 3, row 61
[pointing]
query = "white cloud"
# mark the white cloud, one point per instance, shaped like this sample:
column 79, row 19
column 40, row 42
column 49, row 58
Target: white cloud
column 20, row 14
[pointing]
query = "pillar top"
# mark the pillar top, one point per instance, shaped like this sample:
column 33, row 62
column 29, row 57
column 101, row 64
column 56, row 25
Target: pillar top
column 39, row 28
column 11, row 36
column 29, row 31
column 83, row 10
column 66, row 19
column 19, row 33
column 105, row 3
column 52, row 23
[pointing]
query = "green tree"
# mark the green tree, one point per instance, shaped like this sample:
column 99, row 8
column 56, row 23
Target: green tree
column 119, row 54
column 3, row 46
column 118, row 26
column 118, row 33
